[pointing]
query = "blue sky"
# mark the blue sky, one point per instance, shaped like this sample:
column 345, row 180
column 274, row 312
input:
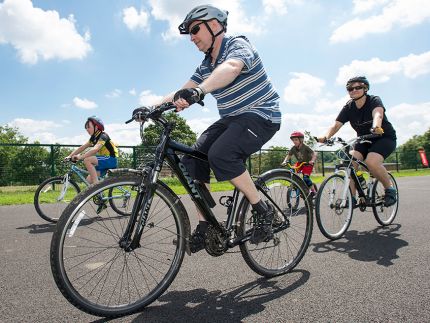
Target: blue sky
column 62, row 61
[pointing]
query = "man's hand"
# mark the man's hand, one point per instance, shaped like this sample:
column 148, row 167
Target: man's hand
column 321, row 139
column 75, row 158
column 377, row 130
column 185, row 97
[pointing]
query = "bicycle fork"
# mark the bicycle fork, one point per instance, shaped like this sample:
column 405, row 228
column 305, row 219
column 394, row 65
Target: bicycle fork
column 139, row 214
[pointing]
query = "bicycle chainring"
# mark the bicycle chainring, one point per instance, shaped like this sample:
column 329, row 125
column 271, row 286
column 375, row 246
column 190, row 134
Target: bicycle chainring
column 216, row 242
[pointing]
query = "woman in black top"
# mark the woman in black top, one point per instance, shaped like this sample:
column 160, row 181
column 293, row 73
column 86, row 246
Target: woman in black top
column 366, row 114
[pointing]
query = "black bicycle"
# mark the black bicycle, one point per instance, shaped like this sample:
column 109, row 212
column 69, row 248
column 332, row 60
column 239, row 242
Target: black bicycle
column 109, row 265
column 334, row 204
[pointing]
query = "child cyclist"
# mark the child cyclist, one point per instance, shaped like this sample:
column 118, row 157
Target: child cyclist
column 103, row 154
column 303, row 153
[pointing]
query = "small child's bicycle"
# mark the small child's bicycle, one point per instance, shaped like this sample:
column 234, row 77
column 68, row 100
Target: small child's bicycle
column 293, row 193
column 55, row 193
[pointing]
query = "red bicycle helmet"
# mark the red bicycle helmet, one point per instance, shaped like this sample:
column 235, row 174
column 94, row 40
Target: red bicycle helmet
column 297, row 134
column 97, row 122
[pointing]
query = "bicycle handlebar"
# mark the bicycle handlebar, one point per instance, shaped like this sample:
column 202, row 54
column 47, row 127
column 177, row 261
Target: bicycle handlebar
column 333, row 140
column 154, row 113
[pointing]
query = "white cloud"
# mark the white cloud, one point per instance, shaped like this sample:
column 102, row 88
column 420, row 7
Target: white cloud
column 403, row 13
column 38, row 34
column 316, row 124
column 274, row 7
column 302, row 88
column 134, row 19
column 325, row 105
column 30, row 125
column 409, row 119
column 114, row 94
column 198, row 125
column 147, row 98
column 132, row 92
column 174, row 11
column 379, row 71
column 361, row 6
column 84, row 103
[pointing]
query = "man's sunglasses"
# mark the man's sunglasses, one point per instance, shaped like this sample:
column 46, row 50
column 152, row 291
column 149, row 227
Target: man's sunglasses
column 196, row 28
column 352, row 88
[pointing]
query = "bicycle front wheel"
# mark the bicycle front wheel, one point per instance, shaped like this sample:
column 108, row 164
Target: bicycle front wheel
column 98, row 276
column 292, row 226
column 52, row 196
column 384, row 214
column 332, row 216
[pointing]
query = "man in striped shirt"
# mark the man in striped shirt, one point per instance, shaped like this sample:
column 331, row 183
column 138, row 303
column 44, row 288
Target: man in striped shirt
column 248, row 105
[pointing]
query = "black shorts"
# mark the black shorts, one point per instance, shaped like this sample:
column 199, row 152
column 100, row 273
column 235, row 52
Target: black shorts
column 228, row 143
column 383, row 146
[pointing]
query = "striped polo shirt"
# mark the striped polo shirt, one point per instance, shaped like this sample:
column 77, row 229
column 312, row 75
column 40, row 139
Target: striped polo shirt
column 251, row 91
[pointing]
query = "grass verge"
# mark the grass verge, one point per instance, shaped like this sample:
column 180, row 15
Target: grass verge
column 14, row 195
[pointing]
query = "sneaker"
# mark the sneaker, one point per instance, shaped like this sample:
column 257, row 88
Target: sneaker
column 390, row 196
column 101, row 207
column 263, row 229
column 197, row 240
column 354, row 203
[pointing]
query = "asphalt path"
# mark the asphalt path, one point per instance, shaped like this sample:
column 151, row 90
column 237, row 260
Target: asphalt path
column 373, row 274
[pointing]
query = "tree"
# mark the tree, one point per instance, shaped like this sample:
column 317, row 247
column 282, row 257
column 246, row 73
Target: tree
column 409, row 150
column 181, row 131
column 8, row 135
column 31, row 165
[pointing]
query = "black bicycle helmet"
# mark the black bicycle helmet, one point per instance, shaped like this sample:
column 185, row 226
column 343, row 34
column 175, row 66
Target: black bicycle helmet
column 358, row 79
column 97, row 122
column 203, row 13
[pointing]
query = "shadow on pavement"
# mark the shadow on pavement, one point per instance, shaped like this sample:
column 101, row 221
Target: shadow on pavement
column 379, row 245
column 233, row 305
column 39, row 228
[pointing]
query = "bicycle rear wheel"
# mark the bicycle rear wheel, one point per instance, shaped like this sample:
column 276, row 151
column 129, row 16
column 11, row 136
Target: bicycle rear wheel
column 98, row 276
column 333, row 219
column 121, row 199
column 282, row 253
column 383, row 214
column 52, row 196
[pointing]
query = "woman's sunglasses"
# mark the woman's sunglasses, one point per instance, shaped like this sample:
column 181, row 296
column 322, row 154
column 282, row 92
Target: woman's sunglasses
column 196, row 28
column 352, row 88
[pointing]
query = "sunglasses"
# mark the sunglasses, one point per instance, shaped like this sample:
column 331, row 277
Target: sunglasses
column 196, row 28
column 352, row 88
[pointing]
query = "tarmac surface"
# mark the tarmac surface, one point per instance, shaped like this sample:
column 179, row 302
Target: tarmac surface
column 372, row 274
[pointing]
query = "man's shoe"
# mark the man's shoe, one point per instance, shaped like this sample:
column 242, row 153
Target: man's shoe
column 390, row 197
column 197, row 240
column 263, row 226
column 354, row 203
column 101, row 207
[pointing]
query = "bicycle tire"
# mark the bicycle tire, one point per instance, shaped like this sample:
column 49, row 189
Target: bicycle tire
column 46, row 196
column 100, row 278
column 282, row 253
column 123, row 198
column 384, row 215
column 332, row 219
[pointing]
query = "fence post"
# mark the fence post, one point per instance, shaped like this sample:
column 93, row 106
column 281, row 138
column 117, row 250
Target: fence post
column 52, row 161
column 259, row 163
column 322, row 163
column 134, row 158
column 397, row 161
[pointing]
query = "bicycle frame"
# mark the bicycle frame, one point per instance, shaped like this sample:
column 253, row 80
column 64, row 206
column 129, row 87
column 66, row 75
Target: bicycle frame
column 349, row 171
column 167, row 151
